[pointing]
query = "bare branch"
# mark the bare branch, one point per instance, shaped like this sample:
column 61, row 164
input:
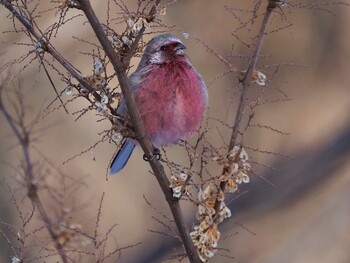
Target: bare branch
column 23, row 136
column 120, row 69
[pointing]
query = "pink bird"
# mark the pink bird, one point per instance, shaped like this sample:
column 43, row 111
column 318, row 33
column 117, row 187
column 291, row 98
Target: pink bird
column 170, row 96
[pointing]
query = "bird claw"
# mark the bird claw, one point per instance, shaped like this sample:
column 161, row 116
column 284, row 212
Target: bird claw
column 156, row 156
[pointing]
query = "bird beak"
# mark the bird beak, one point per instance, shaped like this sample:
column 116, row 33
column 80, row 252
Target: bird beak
column 179, row 49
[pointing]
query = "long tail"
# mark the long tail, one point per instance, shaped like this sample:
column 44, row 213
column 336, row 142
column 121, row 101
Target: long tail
column 122, row 156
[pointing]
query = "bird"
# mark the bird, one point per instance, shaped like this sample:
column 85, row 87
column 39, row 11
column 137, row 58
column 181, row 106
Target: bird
column 170, row 95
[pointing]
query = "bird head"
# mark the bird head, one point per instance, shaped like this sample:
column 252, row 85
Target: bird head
column 163, row 49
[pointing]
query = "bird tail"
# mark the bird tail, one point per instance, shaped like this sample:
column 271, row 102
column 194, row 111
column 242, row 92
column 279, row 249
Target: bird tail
column 122, row 156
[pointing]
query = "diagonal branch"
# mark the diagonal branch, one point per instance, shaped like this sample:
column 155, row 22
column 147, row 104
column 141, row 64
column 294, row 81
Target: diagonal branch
column 158, row 169
column 245, row 85
column 47, row 47
column 248, row 76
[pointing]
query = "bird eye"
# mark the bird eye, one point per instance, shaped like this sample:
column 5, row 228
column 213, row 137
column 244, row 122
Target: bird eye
column 163, row 48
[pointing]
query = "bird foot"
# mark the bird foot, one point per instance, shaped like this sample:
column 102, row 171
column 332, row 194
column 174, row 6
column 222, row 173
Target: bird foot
column 156, row 155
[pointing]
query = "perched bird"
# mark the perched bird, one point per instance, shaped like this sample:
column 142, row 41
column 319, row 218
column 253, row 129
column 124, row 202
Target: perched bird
column 170, row 96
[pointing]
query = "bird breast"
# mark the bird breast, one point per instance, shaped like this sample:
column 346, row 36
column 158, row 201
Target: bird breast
column 171, row 99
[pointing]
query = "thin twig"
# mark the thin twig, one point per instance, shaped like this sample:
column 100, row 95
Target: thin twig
column 47, row 47
column 53, row 84
column 23, row 135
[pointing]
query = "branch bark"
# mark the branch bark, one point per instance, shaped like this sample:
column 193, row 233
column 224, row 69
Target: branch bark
column 52, row 51
column 248, row 76
column 120, row 69
column 245, row 85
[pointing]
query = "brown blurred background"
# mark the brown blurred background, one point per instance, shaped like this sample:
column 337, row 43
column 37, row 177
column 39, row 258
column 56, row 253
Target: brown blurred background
column 303, row 217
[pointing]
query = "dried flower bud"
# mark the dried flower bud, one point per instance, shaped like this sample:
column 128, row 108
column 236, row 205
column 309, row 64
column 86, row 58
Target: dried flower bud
column 38, row 47
column 177, row 191
column 231, row 185
column 115, row 41
column 186, row 35
column 177, row 185
column 117, row 137
column 98, row 82
column 243, row 155
column 98, row 67
column 279, row 3
column 130, row 23
column 183, row 176
column 259, row 78
column 126, row 40
column 84, row 91
column 69, row 90
column 101, row 107
column 162, row 11
column 104, row 98
column 221, row 196
column 205, row 238
column 242, row 178
column 137, row 27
